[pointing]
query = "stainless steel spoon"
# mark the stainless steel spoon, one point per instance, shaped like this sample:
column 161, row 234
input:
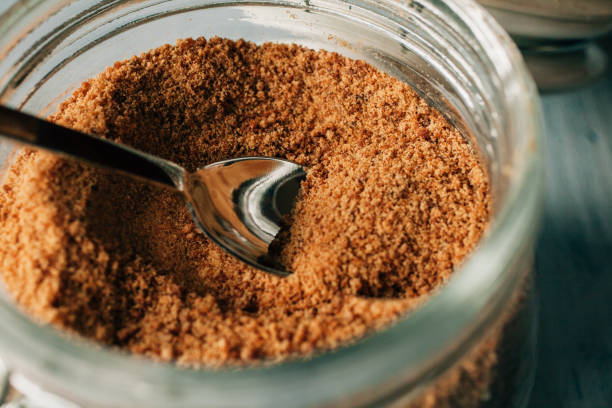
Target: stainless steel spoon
column 238, row 203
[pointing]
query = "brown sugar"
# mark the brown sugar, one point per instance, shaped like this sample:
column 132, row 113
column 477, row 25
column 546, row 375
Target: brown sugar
column 393, row 201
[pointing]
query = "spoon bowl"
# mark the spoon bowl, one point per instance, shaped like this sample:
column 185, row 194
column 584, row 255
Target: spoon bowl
column 238, row 203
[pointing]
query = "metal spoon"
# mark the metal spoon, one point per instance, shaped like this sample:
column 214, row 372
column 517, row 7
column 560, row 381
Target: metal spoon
column 238, row 203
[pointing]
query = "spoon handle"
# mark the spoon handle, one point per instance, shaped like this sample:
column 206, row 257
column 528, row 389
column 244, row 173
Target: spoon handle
column 40, row 133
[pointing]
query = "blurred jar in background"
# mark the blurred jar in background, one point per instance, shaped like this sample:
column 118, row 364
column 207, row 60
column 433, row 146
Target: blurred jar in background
column 557, row 37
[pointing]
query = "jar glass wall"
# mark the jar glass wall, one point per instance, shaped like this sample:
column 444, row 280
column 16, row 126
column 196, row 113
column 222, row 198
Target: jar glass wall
column 452, row 53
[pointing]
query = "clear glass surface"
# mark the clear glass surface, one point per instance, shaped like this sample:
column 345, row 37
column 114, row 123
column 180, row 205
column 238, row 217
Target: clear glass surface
column 451, row 52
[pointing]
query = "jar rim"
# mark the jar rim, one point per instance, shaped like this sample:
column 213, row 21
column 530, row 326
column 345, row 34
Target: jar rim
column 62, row 360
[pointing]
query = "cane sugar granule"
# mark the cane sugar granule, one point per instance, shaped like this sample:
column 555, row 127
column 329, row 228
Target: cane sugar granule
column 393, row 201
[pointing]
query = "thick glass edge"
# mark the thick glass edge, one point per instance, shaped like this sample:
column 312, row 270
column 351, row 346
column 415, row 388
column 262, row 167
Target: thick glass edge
column 73, row 357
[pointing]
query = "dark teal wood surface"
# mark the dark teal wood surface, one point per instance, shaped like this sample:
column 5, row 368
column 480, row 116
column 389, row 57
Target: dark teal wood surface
column 574, row 252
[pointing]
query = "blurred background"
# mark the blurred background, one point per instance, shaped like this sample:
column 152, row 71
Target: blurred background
column 574, row 251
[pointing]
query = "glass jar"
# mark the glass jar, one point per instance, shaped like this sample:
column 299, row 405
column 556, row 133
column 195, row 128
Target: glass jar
column 556, row 37
column 550, row 20
column 475, row 331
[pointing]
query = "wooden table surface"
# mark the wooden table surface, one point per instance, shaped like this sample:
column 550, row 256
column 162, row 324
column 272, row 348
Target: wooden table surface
column 574, row 253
